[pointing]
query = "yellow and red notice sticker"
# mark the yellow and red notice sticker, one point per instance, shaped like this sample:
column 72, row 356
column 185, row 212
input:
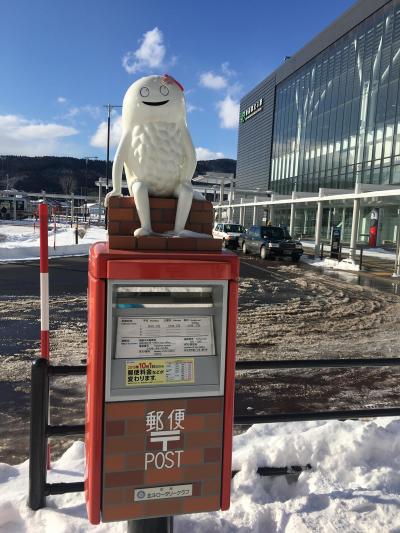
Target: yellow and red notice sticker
column 159, row 372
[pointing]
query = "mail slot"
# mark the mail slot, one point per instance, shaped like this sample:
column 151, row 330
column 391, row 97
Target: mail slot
column 161, row 358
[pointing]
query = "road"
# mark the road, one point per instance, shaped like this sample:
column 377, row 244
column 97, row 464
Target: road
column 68, row 275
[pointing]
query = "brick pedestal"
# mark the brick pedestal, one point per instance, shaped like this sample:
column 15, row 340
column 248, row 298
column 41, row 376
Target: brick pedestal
column 123, row 220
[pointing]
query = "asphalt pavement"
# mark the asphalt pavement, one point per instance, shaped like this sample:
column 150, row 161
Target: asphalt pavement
column 66, row 275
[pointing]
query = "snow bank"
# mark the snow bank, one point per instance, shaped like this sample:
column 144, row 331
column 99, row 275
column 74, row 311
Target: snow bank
column 354, row 485
column 345, row 264
column 21, row 242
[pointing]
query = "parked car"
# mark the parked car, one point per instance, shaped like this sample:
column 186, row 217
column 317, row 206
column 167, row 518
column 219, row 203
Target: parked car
column 229, row 233
column 271, row 242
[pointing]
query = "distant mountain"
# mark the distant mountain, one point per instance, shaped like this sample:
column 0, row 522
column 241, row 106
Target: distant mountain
column 68, row 174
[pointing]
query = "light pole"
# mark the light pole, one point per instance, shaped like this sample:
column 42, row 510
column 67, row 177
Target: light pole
column 86, row 180
column 109, row 107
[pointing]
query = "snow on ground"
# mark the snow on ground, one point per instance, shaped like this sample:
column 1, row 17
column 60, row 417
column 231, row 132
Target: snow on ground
column 381, row 253
column 354, row 484
column 21, row 241
column 345, row 264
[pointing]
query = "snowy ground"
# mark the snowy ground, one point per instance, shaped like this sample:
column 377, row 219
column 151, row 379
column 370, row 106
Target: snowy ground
column 285, row 311
column 334, row 264
column 354, row 484
column 21, row 241
column 381, row 253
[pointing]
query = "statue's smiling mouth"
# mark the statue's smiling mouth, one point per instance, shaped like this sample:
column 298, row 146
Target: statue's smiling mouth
column 156, row 103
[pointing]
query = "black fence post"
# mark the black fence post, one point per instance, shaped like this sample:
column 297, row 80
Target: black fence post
column 163, row 524
column 38, row 429
column 361, row 257
column 322, row 252
column 340, row 253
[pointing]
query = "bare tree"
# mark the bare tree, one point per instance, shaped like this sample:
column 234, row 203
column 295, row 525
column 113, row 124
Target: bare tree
column 67, row 183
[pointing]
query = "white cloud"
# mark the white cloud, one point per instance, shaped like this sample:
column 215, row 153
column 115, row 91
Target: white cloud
column 204, row 154
column 20, row 136
column 61, row 100
column 190, row 108
column 99, row 139
column 228, row 111
column 149, row 55
column 213, row 81
column 227, row 70
column 93, row 111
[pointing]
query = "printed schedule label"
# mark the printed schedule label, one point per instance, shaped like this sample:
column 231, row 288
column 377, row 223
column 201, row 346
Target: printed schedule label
column 163, row 336
column 159, row 372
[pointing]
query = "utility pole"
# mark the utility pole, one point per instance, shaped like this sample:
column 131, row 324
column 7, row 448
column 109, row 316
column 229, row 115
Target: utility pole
column 109, row 107
column 86, row 180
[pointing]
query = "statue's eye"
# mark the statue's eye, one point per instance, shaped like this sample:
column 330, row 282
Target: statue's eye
column 144, row 91
column 164, row 90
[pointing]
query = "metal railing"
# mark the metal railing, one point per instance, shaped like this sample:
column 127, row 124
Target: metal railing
column 317, row 415
column 359, row 247
column 41, row 430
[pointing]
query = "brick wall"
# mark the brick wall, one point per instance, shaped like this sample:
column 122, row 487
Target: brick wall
column 127, row 439
column 123, row 220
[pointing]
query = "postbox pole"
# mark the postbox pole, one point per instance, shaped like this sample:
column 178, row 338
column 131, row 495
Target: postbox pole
column 163, row 524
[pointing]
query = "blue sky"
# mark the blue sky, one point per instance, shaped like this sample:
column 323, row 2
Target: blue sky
column 61, row 61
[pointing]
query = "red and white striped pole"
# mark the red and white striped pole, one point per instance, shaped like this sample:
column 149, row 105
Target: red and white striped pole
column 44, row 282
column 44, row 292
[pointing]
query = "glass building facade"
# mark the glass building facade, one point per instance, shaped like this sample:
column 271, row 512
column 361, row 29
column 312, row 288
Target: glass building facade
column 337, row 118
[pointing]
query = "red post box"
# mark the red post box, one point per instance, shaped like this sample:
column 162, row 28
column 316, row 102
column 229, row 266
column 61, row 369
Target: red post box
column 161, row 370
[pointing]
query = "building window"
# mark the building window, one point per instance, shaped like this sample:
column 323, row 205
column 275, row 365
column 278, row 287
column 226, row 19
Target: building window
column 337, row 119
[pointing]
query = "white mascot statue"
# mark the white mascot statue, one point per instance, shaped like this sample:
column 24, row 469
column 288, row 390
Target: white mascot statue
column 156, row 150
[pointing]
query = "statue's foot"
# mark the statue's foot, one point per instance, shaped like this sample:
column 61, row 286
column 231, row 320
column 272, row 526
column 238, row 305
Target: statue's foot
column 110, row 195
column 142, row 232
column 187, row 233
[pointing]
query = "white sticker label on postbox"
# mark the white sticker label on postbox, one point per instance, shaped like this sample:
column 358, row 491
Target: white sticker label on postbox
column 143, row 372
column 164, row 336
column 161, row 493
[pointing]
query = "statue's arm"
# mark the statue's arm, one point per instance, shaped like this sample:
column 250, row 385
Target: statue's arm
column 189, row 157
column 121, row 156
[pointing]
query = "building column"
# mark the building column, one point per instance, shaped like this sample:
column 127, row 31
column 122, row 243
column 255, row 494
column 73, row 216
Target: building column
column 354, row 229
column 328, row 229
column 305, row 221
column 343, row 223
column 222, row 191
column 318, row 224
column 255, row 211
column 230, row 214
column 271, row 211
column 271, row 214
column 241, row 213
column 292, row 216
